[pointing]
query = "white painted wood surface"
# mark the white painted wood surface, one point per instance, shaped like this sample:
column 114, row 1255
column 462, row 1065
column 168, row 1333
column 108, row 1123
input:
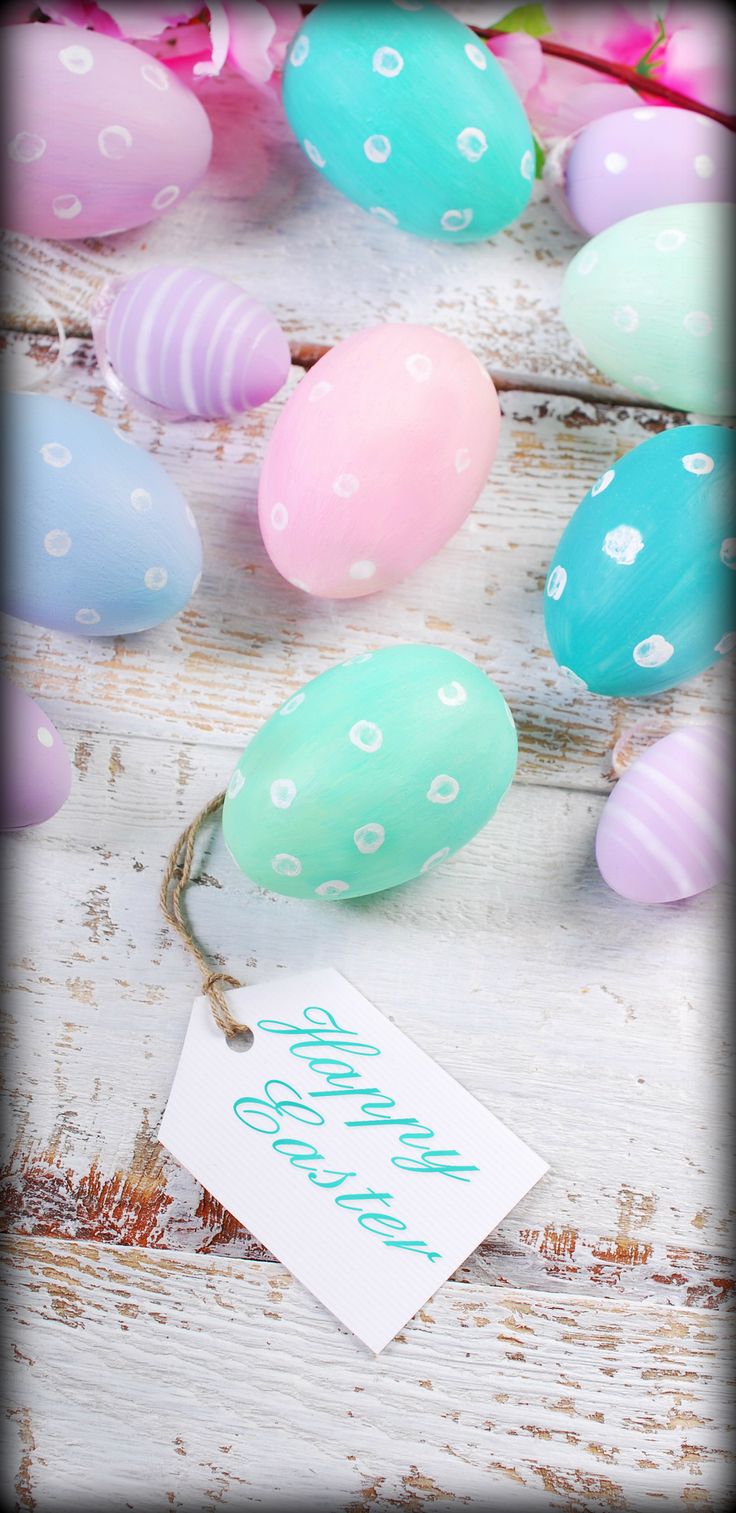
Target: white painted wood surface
column 575, row 1361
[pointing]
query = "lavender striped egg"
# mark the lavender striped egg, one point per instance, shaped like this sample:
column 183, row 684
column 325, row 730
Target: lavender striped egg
column 665, row 831
column 186, row 343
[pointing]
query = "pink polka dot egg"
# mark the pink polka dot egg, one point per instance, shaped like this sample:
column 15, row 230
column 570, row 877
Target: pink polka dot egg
column 99, row 136
column 35, row 774
column 376, row 459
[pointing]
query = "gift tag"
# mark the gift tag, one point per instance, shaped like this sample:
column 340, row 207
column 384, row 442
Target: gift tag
column 363, row 1166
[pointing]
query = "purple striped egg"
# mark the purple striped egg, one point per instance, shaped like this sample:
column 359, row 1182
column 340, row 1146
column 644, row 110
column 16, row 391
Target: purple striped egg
column 184, row 343
column 665, row 832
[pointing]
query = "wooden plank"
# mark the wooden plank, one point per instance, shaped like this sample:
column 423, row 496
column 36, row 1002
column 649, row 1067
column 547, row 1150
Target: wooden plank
column 238, row 1389
column 248, row 638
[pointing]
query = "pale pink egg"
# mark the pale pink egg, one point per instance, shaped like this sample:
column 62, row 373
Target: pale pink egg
column 376, row 459
column 99, row 137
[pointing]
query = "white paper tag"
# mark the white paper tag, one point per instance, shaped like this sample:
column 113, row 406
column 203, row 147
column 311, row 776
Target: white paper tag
column 363, row 1166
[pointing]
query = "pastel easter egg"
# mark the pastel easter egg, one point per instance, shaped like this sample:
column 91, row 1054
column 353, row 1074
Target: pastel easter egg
column 376, row 459
column 35, row 772
column 640, row 592
column 99, row 136
column 649, row 301
column 181, row 342
column 636, row 160
column 665, row 832
column 371, row 774
column 101, row 541
column 407, row 112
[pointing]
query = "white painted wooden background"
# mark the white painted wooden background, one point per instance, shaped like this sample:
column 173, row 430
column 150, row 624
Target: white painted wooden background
column 157, row 1357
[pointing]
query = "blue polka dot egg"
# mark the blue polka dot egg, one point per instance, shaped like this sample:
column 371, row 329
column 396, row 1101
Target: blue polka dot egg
column 406, row 112
column 640, row 594
column 373, row 773
column 102, row 541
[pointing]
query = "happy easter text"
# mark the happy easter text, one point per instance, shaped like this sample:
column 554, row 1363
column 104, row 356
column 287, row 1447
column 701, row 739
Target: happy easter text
column 282, row 1103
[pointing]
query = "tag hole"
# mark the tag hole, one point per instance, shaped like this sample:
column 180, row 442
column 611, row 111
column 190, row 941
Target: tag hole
column 241, row 1040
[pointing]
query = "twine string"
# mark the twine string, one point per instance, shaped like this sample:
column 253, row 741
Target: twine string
column 174, row 883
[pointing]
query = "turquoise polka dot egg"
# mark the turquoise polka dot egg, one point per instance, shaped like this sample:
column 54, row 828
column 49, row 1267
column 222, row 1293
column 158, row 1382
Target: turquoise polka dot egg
column 407, row 113
column 640, row 593
column 649, row 300
column 373, row 773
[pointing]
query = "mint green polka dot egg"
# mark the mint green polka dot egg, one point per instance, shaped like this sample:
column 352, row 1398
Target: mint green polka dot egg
column 371, row 774
column 650, row 302
column 407, row 112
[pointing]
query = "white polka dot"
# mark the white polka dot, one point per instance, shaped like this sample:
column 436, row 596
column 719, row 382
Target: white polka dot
column 615, row 162
column 704, row 166
column 698, row 462
column 362, row 570
column 572, row 677
column 279, row 517
column 377, row 148
column 644, row 114
column 55, row 454
column 669, row 240
column 648, row 385
column 87, row 617
column 437, row 856
column 626, row 318
column 166, row 197
column 283, row 793
column 333, row 889
column 191, row 517
column 318, row 391
column 462, row 460
column 388, row 62
column 313, row 153
column 26, row 147
column 728, row 552
column 155, row 75
column 345, row 485
column 299, row 52
column 155, row 578
column 603, row 482
column 698, row 323
column 443, row 789
column 653, row 651
column 726, row 644
column 286, row 865
column 526, row 166
column 292, row 703
column 419, row 367
column 114, row 141
column 369, row 838
column 586, row 261
column 77, row 60
column 44, row 736
column 476, row 55
column 456, row 220
column 141, row 500
column 623, row 544
column 196, row 583
column 57, row 543
column 556, row 582
column 472, row 143
column 452, row 694
column 236, row 784
column 385, row 215
column 66, row 206
column 366, row 736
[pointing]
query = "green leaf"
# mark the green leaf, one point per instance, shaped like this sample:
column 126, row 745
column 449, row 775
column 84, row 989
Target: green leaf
column 525, row 18
column 539, row 158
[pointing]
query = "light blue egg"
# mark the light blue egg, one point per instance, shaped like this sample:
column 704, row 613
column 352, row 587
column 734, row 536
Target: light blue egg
column 407, row 112
column 640, row 594
column 101, row 542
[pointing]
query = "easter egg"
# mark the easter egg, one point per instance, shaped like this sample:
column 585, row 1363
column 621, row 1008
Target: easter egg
column 665, row 830
column 99, row 136
column 376, row 459
column 635, row 160
column 649, row 301
column 640, row 593
column 181, row 342
column 407, row 112
column 100, row 541
column 371, row 774
column 35, row 772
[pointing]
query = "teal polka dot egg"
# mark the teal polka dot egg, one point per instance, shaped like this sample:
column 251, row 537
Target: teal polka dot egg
column 371, row 774
column 640, row 593
column 407, row 113
column 649, row 300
